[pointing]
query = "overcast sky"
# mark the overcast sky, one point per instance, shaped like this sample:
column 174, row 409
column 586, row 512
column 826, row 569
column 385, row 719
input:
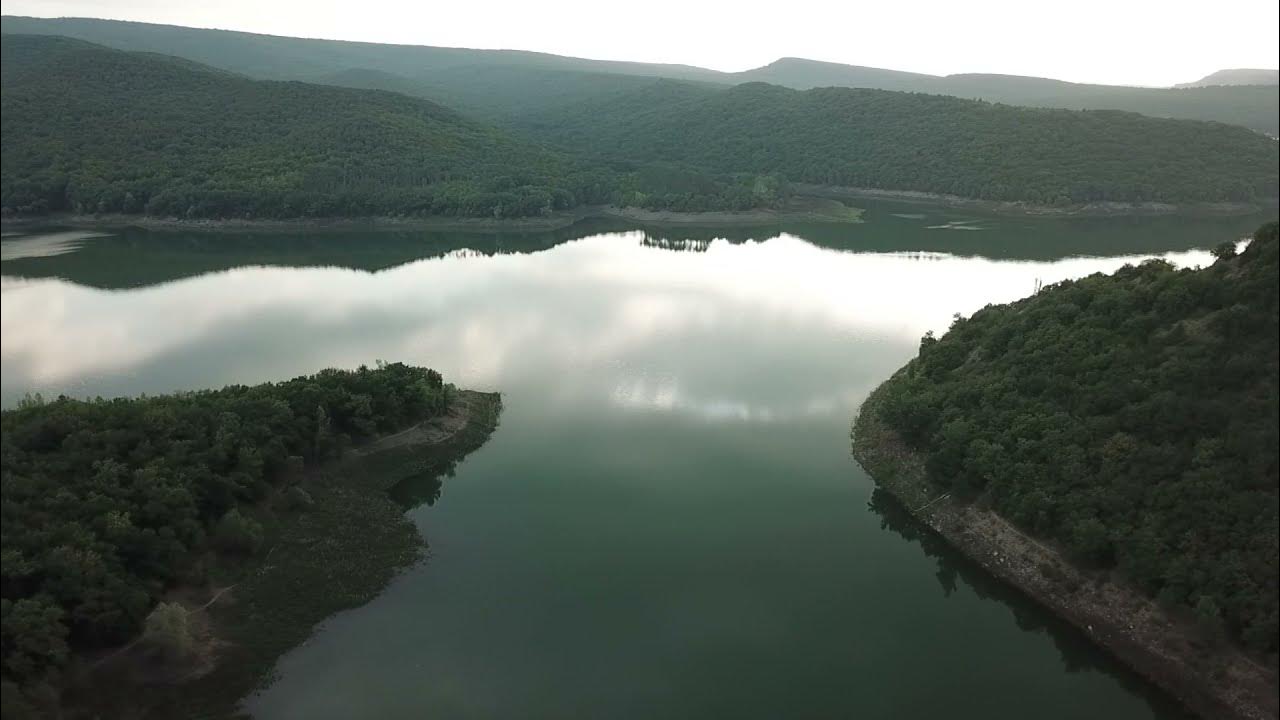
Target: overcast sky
column 1104, row 41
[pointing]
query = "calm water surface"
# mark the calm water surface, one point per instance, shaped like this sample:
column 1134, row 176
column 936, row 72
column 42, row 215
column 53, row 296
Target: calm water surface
column 668, row 522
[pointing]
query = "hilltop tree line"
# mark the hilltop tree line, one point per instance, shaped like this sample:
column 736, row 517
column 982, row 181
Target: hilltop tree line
column 1130, row 418
column 109, row 503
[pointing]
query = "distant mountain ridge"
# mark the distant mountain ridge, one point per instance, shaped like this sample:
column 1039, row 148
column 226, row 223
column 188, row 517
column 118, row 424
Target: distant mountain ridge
column 481, row 82
column 1238, row 76
column 1253, row 106
column 278, row 57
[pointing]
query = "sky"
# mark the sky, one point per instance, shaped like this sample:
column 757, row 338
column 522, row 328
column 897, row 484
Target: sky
column 1131, row 42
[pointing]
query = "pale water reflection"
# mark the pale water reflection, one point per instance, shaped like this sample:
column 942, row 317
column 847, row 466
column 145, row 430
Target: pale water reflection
column 668, row 522
column 44, row 244
column 590, row 303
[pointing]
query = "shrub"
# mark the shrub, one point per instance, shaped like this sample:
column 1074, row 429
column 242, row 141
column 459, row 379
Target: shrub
column 168, row 631
column 237, row 533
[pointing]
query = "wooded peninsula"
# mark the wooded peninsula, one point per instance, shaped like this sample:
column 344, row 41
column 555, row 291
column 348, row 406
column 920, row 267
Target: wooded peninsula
column 137, row 531
column 1109, row 445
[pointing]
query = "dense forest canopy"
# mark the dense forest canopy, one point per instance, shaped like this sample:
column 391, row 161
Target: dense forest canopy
column 1131, row 418
column 88, row 129
column 446, row 74
column 108, row 503
column 906, row 141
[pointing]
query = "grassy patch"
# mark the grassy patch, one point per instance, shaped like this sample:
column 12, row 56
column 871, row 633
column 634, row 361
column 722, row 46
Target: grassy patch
column 822, row 209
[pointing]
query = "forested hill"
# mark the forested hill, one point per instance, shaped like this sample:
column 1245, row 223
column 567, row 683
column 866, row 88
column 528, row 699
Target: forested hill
column 89, row 129
column 1130, row 418
column 448, row 75
column 907, row 141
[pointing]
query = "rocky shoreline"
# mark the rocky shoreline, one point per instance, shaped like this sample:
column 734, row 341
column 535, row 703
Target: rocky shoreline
column 1212, row 679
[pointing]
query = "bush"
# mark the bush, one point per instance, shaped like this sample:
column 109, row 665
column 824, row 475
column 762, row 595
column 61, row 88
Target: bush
column 238, row 534
column 168, row 631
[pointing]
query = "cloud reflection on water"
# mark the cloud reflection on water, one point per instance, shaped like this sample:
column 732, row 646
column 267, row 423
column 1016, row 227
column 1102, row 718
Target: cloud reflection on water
column 755, row 331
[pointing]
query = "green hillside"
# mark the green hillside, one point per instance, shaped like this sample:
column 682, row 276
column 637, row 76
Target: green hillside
column 447, row 75
column 1131, row 419
column 905, row 141
column 89, row 129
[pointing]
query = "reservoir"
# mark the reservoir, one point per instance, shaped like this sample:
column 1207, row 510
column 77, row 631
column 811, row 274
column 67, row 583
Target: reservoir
column 667, row 522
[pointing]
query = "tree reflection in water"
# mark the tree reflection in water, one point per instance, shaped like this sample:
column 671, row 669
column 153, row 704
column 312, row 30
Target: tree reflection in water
column 1076, row 651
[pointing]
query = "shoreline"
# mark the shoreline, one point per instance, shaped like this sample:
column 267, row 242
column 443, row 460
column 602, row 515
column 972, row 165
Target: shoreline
column 1166, row 650
column 337, row 553
column 802, row 208
column 810, row 203
column 808, row 209
column 557, row 221
column 1019, row 208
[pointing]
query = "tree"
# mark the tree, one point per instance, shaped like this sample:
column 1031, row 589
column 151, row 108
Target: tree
column 34, row 637
column 168, row 631
column 237, row 533
column 1209, row 617
column 1224, row 250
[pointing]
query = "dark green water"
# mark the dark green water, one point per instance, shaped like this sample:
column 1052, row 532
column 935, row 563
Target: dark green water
column 668, row 522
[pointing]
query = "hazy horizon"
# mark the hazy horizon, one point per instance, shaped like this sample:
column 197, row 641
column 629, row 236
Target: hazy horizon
column 1175, row 44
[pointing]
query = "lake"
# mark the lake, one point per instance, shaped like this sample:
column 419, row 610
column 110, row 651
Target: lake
column 668, row 522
